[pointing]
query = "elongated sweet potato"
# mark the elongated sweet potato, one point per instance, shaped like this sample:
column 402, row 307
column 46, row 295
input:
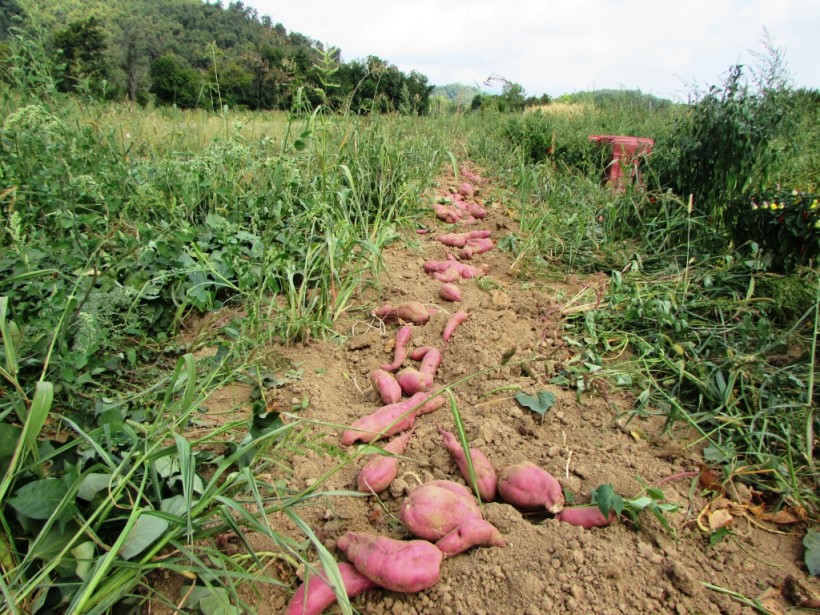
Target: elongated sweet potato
column 527, row 486
column 397, row 565
column 455, row 320
column 447, row 276
column 315, row 594
column 386, row 386
column 485, row 476
column 455, row 240
column 429, row 365
column 450, row 292
column 377, row 474
column 411, row 381
column 586, row 517
column 400, row 348
column 431, row 511
column 409, row 311
column 471, row 533
column 476, row 210
column 476, row 246
column 386, row 421
column 432, row 404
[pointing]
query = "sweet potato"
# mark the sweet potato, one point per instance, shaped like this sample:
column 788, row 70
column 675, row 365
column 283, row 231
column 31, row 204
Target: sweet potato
column 398, row 565
column 377, row 474
column 471, row 533
column 400, row 348
column 466, row 189
column 432, row 404
column 411, row 381
column 450, row 292
column 431, row 510
column 485, row 476
column 586, row 517
column 527, row 486
column 476, row 246
column 476, row 211
column 447, row 276
column 455, row 240
column 386, row 421
column 386, row 386
column 464, row 270
column 455, row 320
column 409, row 311
column 430, row 360
column 315, row 594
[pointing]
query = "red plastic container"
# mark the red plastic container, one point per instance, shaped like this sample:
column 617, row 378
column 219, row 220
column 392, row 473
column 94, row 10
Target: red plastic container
column 627, row 153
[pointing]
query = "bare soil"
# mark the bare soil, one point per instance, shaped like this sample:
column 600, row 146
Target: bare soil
column 513, row 342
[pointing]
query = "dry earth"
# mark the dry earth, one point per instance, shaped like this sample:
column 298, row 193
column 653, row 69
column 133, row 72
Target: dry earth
column 512, row 342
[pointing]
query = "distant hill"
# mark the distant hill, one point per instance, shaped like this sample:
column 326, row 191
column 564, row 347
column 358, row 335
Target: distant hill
column 599, row 98
column 456, row 92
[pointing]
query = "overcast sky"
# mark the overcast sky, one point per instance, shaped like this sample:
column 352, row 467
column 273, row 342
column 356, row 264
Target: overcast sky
column 658, row 46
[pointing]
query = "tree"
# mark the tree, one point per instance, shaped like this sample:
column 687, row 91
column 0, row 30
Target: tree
column 83, row 48
column 173, row 83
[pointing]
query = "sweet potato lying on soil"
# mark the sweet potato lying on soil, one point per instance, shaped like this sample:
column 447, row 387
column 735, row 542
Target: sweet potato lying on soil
column 527, row 486
column 476, row 211
column 464, row 270
column 391, row 419
column 411, row 381
column 386, row 386
column 430, row 360
column 455, row 320
column 397, row 565
column 466, row 189
column 432, row 510
column 447, row 276
column 400, row 348
column 470, row 176
column 377, row 474
column 485, row 476
column 450, row 292
column 476, row 246
column 315, row 594
column 409, row 311
column 471, row 533
column 586, row 517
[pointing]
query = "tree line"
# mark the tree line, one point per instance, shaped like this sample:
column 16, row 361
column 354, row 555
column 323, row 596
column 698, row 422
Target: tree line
column 195, row 54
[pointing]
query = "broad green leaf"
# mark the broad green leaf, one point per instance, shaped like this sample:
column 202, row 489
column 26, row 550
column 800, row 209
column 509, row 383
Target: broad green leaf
column 9, row 436
column 606, row 499
column 176, row 505
column 39, row 499
column 212, row 601
column 812, row 556
column 48, row 546
column 92, row 484
column 84, row 555
column 143, row 533
column 539, row 403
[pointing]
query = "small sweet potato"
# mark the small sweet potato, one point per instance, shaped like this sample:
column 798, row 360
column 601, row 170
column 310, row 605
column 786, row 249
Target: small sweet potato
column 430, row 360
column 471, row 533
column 450, row 292
column 411, row 381
column 476, row 246
column 397, row 565
column 400, row 348
column 455, row 320
column 377, row 474
column 447, row 276
column 485, row 476
column 315, row 594
column 430, row 511
column 586, row 517
column 409, row 311
column 527, row 486
column 476, row 211
column 455, row 240
column 386, row 386
column 386, row 421
column 432, row 404
column 466, row 189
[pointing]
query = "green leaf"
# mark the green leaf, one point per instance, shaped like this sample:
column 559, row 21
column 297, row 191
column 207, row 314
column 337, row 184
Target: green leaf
column 84, row 554
column 812, row 556
column 39, row 499
column 92, row 484
column 538, row 404
column 606, row 499
column 9, row 436
column 212, row 601
column 143, row 533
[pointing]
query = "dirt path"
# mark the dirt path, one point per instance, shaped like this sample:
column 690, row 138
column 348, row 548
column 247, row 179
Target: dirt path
column 547, row 567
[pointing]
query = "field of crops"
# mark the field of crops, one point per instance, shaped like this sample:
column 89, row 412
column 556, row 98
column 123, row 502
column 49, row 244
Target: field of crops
column 186, row 310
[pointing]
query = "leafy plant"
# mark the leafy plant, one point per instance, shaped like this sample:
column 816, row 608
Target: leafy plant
column 650, row 499
column 539, row 403
column 811, row 541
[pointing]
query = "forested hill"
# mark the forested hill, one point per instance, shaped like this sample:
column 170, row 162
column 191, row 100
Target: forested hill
column 195, row 53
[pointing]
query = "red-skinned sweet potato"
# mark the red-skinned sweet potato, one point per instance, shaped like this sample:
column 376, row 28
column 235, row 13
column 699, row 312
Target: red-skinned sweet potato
column 409, row 311
column 386, row 421
column 377, row 474
column 431, row 510
column 485, row 476
column 455, row 320
column 450, row 292
column 315, row 594
column 400, row 348
column 586, row 517
column 430, row 360
column 525, row 485
column 447, row 276
column 466, row 189
column 397, row 565
column 411, row 381
column 386, row 386
column 471, row 533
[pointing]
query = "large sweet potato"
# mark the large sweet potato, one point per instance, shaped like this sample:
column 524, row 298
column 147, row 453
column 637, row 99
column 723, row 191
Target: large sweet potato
column 431, row 510
column 397, row 565
column 315, row 594
column 471, row 533
column 386, row 421
column 377, row 474
column 586, row 517
column 409, row 311
column 386, row 386
column 485, row 476
column 527, row 486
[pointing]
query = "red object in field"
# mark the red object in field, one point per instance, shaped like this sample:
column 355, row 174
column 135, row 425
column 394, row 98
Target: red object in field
column 627, row 152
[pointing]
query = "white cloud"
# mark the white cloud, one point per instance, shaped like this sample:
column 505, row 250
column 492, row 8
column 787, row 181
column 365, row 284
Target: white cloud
column 657, row 46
